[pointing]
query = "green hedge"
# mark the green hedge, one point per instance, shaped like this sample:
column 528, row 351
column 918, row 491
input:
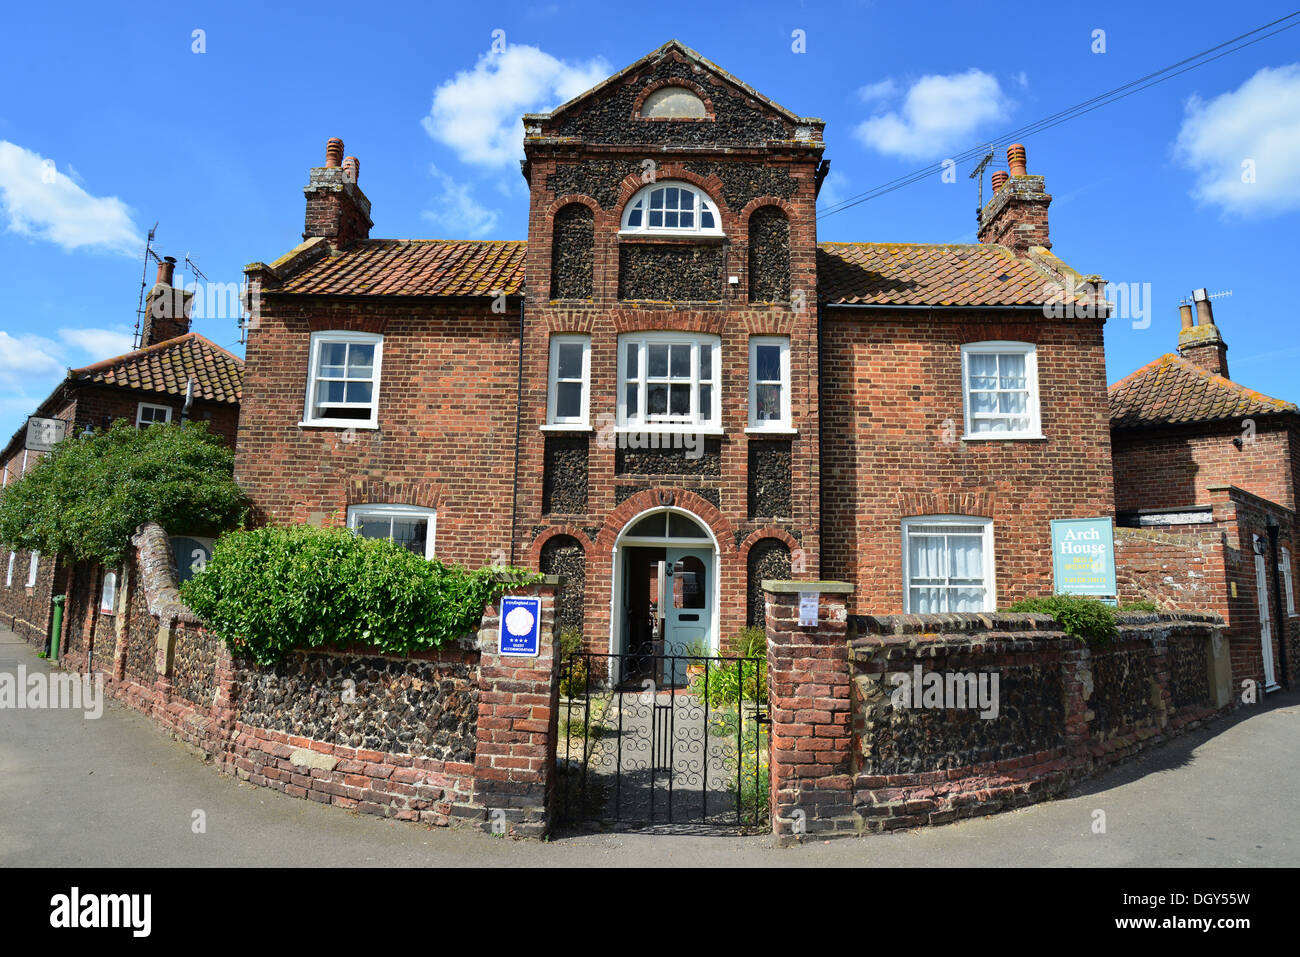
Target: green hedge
column 271, row 590
column 1086, row 618
column 86, row 499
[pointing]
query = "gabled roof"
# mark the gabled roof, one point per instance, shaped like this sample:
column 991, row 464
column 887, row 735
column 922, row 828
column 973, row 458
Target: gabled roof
column 934, row 274
column 679, row 47
column 167, row 367
column 1172, row 390
column 414, row 267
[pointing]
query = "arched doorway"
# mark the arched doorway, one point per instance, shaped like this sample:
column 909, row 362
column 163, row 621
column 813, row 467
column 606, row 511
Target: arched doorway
column 664, row 599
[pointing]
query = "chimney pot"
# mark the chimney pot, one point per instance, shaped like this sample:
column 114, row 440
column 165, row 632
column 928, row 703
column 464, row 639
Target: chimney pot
column 166, row 269
column 1204, row 310
column 352, row 166
column 333, row 152
column 1016, row 159
column 1000, row 178
column 1185, row 313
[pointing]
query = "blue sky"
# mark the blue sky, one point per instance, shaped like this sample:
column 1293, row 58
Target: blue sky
column 215, row 146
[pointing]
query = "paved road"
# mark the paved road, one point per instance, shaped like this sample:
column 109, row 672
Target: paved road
column 117, row 791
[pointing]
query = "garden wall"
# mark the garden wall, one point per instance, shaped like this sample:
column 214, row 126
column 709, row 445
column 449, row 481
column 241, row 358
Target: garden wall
column 856, row 750
column 456, row 735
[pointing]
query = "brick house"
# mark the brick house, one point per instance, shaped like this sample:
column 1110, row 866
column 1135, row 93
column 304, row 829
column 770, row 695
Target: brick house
column 176, row 374
column 672, row 369
column 1207, row 477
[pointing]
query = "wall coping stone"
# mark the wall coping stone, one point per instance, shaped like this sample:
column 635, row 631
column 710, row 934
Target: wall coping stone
column 790, row 587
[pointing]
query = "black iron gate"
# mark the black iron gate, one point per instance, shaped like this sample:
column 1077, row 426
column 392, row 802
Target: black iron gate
column 663, row 741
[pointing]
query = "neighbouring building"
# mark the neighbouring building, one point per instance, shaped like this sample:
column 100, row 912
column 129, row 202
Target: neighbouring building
column 672, row 369
column 1207, row 477
column 175, row 375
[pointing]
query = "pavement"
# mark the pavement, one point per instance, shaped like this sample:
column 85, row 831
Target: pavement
column 118, row 791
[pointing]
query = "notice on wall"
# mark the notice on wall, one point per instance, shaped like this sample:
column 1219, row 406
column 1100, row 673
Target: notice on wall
column 43, row 434
column 808, row 609
column 521, row 626
column 1083, row 557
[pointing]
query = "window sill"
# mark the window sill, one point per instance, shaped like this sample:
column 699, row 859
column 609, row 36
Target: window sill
column 338, row 424
column 782, row 430
column 1005, row 437
column 671, row 237
column 654, row 428
column 566, row 427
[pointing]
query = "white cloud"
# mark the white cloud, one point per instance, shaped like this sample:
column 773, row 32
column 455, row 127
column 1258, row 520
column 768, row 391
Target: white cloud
column 100, row 343
column 457, row 211
column 877, row 92
column 938, row 115
column 1251, row 133
column 477, row 113
column 26, row 357
column 42, row 203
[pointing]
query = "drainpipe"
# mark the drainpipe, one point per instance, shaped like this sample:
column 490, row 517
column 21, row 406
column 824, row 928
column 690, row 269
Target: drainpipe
column 519, row 404
column 1283, row 625
column 56, row 623
column 821, row 456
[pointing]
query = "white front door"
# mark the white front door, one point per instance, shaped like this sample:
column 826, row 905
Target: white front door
column 1265, row 618
column 689, row 612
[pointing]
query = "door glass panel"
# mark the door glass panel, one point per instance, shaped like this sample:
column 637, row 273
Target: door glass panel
column 689, row 583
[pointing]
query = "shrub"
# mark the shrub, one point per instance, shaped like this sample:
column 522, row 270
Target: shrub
column 275, row 589
column 1142, row 604
column 573, row 667
column 1086, row 618
column 730, row 682
column 86, row 499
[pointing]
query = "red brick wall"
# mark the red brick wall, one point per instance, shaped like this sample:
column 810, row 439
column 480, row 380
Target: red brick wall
column 734, row 319
column 446, row 420
column 1173, row 468
column 892, row 446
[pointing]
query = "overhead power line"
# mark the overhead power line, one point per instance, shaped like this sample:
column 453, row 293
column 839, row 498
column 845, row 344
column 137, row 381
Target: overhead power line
column 1079, row 109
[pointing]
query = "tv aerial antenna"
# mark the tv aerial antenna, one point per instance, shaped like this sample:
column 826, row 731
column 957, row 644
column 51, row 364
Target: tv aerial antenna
column 977, row 174
column 144, row 283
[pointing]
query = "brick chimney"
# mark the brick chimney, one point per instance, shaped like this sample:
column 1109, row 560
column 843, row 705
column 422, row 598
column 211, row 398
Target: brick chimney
column 336, row 207
column 1016, row 216
column 1198, row 339
column 167, row 309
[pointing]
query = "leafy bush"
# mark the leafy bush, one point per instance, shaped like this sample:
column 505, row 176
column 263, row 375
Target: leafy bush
column 86, row 499
column 271, row 590
column 730, row 682
column 573, row 667
column 1086, row 618
column 1142, row 604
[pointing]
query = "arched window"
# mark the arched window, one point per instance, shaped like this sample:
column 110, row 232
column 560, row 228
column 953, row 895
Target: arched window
column 673, row 103
column 671, row 209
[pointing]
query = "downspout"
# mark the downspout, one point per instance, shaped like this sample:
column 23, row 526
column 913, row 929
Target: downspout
column 1283, row 625
column 519, row 403
column 189, row 398
column 821, row 455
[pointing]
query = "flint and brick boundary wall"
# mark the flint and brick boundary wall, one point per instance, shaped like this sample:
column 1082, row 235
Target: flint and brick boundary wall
column 845, row 760
column 456, row 736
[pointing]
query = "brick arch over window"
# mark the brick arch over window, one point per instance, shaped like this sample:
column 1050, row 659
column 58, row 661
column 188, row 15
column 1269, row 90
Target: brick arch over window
column 372, row 491
column 767, row 558
column 769, row 255
column 573, row 252
column 565, row 555
column 705, row 511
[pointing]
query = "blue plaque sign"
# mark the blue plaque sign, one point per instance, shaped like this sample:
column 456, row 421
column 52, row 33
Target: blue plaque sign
column 521, row 626
column 1083, row 557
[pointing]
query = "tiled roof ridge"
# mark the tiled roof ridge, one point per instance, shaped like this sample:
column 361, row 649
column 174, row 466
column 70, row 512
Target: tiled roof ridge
column 143, row 351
